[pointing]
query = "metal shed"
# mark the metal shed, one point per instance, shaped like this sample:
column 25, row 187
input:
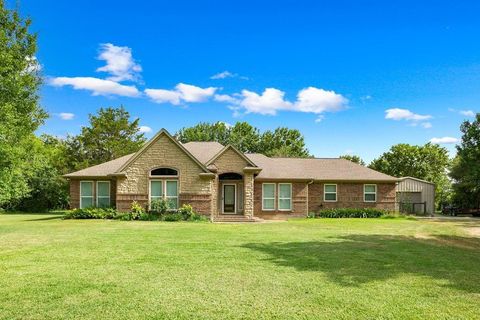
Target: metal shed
column 416, row 196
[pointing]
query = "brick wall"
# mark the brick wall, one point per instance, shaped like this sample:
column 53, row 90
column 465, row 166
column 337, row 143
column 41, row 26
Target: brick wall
column 75, row 191
column 350, row 195
column 299, row 200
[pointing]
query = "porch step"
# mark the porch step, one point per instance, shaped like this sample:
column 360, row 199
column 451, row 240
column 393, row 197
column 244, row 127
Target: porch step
column 235, row 218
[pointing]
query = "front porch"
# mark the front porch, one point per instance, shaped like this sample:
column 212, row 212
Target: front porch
column 233, row 200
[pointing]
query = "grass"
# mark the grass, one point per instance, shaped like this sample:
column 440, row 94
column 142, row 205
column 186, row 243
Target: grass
column 303, row 269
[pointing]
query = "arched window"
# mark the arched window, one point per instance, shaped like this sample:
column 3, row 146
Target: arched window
column 164, row 172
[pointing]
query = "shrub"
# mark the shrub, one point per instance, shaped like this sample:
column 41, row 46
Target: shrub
column 159, row 206
column 173, row 217
column 136, row 210
column 351, row 213
column 186, row 211
column 91, row 213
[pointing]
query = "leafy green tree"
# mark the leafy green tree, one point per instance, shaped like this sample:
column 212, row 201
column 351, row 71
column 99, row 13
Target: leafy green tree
column 48, row 189
column 429, row 162
column 353, row 158
column 110, row 135
column 218, row 131
column 283, row 142
column 466, row 167
column 244, row 137
column 20, row 112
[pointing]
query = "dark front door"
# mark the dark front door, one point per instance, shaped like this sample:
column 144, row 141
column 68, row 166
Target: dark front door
column 229, row 195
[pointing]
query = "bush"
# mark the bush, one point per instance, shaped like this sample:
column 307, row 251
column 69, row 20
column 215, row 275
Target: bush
column 91, row 213
column 159, row 206
column 176, row 216
column 136, row 211
column 350, row 213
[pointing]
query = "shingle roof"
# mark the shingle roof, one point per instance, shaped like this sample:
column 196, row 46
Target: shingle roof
column 332, row 169
column 272, row 168
column 203, row 151
column 103, row 169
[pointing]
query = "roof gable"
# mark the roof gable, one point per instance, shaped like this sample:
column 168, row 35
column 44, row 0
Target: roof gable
column 151, row 142
column 230, row 147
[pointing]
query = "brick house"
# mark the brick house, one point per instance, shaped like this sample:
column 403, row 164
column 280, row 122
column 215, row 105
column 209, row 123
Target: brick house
column 225, row 184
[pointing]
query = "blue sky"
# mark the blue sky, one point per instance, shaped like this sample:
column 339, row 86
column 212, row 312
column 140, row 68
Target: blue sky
column 353, row 76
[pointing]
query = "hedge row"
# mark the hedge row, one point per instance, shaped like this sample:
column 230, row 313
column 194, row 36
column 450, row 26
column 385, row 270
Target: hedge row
column 350, row 213
column 185, row 213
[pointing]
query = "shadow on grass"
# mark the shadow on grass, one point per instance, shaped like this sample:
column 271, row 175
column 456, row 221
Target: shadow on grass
column 57, row 217
column 357, row 259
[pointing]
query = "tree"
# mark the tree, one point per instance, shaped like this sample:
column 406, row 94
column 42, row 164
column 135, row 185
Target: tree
column 48, row 189
column 466, row 167
column 353, row 158
column 429, row 162
column 20, row 112
column 110, row 135
column 203, row 131
column 283, row 142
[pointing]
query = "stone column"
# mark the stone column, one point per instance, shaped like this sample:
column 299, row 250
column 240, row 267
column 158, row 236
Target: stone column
column 248, row 194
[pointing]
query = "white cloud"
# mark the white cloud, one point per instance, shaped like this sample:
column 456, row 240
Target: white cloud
column 467, row 113
column 145, row 129
column 97, row 86
column 404, row 114
column 66, row 115
column 319, row 118
column 191, row 93
column 311, row 100
column 223, row 75
column 227, row 74
column 225, row 98
column 181, row 93
column 120, row 63
column 318, row 101
column 426, row 125
column 444, row 140
column 163, row 96
column 269, row 102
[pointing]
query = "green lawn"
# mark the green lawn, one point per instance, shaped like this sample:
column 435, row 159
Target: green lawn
column 347, row 269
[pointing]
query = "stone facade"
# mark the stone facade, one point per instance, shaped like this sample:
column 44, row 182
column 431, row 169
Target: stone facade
column 231, row 162
column 350, row 195
column 164, row 153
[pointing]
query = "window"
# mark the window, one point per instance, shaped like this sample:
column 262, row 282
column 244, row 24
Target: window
column 103, row 194
column 268, row 196
column 285, row 196
column 86, row 194
column 165, row 189
column 171, row 187
column 330, row 193
column 370, row 192
column 164, row 172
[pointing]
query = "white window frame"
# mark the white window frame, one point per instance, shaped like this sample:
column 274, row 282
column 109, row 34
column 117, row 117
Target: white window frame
column 170, row 197
column 365, row 193
column 280, row 198
column 274, row 196
column 164, row 191
column 325, row 192
column 96, row 192
column 92, row 196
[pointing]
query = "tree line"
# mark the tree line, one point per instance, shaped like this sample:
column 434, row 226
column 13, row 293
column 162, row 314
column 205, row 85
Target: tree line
column 31, row 166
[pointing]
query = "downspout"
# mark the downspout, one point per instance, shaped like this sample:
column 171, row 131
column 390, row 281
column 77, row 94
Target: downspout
column 308, row 194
